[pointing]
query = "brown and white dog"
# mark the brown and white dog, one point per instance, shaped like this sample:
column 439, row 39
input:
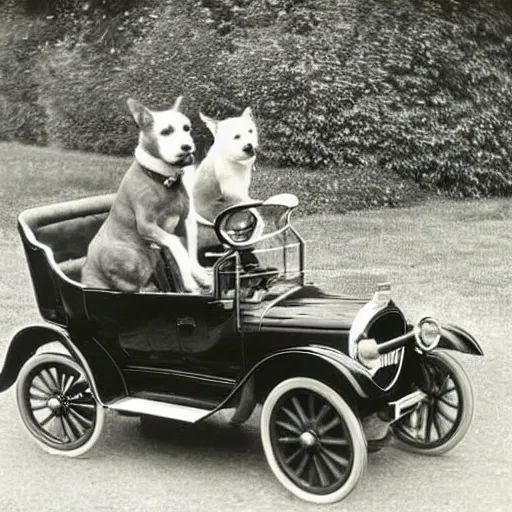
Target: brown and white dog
column 223, row 178
column 150, row 211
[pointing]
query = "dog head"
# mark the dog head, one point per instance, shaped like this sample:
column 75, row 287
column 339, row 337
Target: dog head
column 235, row 138
column 165, row 134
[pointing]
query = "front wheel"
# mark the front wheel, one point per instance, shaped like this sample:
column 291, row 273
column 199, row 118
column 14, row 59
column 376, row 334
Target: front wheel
column 443, row 418
column 56, row 405
column 312, row 440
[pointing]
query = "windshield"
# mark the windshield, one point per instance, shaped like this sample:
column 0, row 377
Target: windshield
column 271, row 266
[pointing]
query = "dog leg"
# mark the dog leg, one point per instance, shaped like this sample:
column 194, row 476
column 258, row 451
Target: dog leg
column 173, row 243
column 149, row 230
column 202, row 275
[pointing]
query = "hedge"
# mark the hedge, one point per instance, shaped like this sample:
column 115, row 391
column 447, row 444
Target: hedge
column 390, row 93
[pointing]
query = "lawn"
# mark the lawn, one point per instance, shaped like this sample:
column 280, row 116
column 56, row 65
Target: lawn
column 445, row 258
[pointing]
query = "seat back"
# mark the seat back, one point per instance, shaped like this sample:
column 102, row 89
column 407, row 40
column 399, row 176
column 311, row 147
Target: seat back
column 67, row 229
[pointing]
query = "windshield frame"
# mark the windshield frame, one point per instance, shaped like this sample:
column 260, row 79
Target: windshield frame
column 236, row 251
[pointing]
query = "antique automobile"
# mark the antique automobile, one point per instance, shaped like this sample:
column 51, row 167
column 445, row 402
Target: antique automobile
column 319, row 364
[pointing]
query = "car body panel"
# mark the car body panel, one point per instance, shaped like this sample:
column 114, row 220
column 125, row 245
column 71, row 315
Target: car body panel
column 107, row 383
column 456, row 338
column 311, row 308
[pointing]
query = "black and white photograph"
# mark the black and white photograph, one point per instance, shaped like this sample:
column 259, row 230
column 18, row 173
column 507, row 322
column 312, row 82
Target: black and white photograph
column 255, row 255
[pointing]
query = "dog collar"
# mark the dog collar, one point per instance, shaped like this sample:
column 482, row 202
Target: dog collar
column 157, row 169
column 166, row 181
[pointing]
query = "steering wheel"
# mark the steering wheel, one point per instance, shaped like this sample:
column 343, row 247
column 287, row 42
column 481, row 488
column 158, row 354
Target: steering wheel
column 262, row 278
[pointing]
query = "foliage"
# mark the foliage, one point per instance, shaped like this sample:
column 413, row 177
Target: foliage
column 426, row 96
column 90, row 112
column 21, row 118
column 336, row 190
column 367, row 93
column 76, row 35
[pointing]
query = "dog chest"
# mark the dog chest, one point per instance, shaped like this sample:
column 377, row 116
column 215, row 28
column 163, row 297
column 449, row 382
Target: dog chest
column 174, row 208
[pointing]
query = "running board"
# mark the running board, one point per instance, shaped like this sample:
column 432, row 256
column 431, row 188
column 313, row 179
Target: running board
column 161, row 409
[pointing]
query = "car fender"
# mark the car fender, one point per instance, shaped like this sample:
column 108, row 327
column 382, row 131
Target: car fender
column 456, row 338
column 350, row 375
column 103, row 375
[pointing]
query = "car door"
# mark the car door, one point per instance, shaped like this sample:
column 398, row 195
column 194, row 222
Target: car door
column 168, row 343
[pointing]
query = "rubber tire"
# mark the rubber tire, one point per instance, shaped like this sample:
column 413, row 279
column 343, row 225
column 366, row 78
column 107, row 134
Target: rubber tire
column 32, row 363
column 460, row 376
column 353, row 425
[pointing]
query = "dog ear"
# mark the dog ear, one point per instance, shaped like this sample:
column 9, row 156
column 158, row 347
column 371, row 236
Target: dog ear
column 177, row 103
column 140, row 113
column 248, row 113
column 210, row 123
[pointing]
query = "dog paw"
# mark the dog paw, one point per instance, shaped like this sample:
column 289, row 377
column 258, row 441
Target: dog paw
column 192, row 287
column 203, row 276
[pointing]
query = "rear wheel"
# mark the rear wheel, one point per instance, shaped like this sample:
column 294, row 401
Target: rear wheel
column 56, row 405
column 443, row 418
column 312, row 440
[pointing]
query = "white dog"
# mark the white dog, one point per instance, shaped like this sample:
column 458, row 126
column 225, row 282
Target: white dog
column 223, row 178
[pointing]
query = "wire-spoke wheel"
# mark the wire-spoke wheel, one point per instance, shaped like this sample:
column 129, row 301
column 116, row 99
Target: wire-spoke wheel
column 56, row 405
column 443, row 418
column 312, row 440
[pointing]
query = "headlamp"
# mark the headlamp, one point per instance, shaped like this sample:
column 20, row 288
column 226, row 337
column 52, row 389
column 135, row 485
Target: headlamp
column 240, row 226
column 427, row 334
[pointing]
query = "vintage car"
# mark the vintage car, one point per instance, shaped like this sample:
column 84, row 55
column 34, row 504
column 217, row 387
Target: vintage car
column 320, row 364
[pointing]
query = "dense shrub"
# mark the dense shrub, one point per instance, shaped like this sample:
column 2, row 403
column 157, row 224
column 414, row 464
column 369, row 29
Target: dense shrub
column 85, row 114
column 75, row 34
column 90, row 111
column 367, row 94
column 449, row 121
column 227, row 16
column 82, row 89
column 336, row 190
column 75, row 7
column 21, row 118
column 397, row 85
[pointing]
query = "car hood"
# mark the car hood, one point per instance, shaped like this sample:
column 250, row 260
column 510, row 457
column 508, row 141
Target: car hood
column 311, row 308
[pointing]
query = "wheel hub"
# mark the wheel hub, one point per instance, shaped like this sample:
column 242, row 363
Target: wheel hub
column 54, row 403
column 308, row 439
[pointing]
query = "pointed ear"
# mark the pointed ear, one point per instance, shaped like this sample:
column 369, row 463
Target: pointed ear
column 140, row 113
column 210, row 123
column 248, row 113
column 177, row 103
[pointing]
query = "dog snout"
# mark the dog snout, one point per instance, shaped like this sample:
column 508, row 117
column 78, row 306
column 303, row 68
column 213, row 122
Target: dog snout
column 249, row 149
column 187, row 148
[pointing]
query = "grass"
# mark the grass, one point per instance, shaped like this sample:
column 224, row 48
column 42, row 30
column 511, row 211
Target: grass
column 445, row 258
column 33, row 176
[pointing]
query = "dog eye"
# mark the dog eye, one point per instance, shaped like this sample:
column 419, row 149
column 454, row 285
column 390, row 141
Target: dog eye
column 250, row 131
column 186, row 128
column 237, row 136
column 167, row 131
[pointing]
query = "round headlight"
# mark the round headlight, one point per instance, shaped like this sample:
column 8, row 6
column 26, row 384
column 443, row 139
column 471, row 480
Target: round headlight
column 240, row 226
column 428, row 334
